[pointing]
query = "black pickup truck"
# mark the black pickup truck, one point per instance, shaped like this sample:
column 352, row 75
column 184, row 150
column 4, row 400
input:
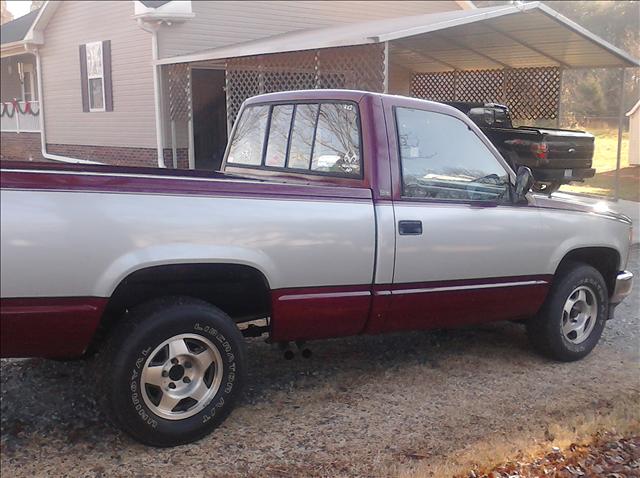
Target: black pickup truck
column 555, row 156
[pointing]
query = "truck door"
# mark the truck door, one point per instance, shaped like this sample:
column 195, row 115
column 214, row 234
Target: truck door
column 464, row 252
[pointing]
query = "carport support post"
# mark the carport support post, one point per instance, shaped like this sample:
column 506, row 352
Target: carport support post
column 620, row 131
column 560, row 111
column 386, row 67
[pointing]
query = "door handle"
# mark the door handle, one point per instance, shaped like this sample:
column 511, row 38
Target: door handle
column 410, row 228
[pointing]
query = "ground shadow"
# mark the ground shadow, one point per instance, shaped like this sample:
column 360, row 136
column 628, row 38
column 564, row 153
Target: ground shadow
column 43, row 398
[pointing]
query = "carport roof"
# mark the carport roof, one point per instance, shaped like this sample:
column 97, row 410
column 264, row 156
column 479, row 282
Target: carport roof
column 512, row 36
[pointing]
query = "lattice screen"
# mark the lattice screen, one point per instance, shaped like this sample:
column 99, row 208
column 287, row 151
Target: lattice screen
column 179, row 91
column 480, row 85
column 435, row 87
column 356, row 67
column 530, row 93
column 533, row 93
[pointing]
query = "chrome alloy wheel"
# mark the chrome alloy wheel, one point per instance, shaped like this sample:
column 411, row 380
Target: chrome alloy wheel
column 181, row 376
column 579, row 314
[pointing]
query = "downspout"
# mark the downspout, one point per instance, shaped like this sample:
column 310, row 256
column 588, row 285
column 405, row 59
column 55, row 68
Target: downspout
column 43, row 137
column 153, row 29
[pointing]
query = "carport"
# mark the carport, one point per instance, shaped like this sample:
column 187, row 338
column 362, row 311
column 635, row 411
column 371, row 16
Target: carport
column 514, row 54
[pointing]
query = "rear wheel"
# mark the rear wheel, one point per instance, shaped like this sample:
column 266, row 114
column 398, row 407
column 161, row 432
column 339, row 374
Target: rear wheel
column 172, row 371
column 574, row 315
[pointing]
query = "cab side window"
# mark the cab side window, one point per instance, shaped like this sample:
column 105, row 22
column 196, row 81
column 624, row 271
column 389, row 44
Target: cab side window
column 441, row 158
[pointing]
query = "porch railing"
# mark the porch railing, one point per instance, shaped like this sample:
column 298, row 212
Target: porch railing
column 20, row 116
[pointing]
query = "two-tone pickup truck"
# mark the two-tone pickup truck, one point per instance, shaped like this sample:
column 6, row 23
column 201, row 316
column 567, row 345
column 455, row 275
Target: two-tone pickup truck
column 338, row 213
column 555, row 156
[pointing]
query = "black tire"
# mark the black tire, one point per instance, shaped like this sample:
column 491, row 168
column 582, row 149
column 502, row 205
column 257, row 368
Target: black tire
column 546, row 188
column 128, row 349
column 545, row 330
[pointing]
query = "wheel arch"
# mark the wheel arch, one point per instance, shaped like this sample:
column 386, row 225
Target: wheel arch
column 605, row 260
column 225, row 285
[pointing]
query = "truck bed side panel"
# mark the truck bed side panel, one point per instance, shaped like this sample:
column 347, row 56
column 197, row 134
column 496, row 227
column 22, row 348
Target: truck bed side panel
column 80, row 237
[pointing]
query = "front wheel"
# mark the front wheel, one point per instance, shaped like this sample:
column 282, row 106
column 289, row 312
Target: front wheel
column 570, row 323
column 173, row 370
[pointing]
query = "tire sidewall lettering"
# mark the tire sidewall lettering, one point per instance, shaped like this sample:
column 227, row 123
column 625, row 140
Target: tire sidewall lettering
column 210, row 409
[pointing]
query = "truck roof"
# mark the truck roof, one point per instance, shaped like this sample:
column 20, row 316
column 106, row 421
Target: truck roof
column 335, row 94
column 355, row 96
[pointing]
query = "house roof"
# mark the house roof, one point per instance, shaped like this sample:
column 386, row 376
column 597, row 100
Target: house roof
column 464, row 4
column 153, row 3
column 29, row 28
column 16, row 30
column 506, row 36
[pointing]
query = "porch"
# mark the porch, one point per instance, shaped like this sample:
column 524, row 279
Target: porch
column 19, row 107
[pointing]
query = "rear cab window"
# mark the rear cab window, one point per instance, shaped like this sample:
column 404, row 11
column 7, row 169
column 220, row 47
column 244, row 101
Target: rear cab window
column 317, row 138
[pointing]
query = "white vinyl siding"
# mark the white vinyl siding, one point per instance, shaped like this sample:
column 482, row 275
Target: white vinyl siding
column 220, row 23
column 132, row 123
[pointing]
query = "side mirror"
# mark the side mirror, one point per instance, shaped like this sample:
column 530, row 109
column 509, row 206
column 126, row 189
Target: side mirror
column 524, row 183
column 482, row 116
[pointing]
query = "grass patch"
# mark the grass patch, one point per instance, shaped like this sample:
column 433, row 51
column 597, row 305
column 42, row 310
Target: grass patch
column 603, row 184
column 604, row 162
column 620, row 417
column 606, row 150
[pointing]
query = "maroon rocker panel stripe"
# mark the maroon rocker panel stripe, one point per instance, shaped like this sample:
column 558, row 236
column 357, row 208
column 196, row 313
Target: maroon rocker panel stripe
column 322, row 312
column 319, row 312
column 454, row 308
column 185, row 186
column 48, row 327
column 64, row 327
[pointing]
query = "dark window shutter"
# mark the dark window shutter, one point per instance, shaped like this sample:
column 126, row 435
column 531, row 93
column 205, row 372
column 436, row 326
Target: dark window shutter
column 84, row 82
column 106, row 69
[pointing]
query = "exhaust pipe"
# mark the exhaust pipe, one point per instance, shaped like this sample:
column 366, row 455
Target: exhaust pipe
column 288, row 353
column 305, row 351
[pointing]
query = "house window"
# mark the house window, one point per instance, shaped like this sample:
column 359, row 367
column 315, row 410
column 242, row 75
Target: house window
column 27, row 88
column 95, row 76
column 28, row 79
column 95, row 71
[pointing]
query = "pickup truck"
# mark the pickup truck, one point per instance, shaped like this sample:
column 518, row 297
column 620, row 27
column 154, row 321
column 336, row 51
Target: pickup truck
column 337, row 213
column 555, row 156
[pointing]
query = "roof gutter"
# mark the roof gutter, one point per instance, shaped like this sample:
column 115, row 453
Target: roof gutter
column 466, row 4
column 30, row 44
column 167, row 17
column 43, row 137
column 153, row 29
column 14, row 48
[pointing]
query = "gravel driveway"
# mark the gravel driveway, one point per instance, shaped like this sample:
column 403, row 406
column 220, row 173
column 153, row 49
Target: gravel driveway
column 359, row 406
